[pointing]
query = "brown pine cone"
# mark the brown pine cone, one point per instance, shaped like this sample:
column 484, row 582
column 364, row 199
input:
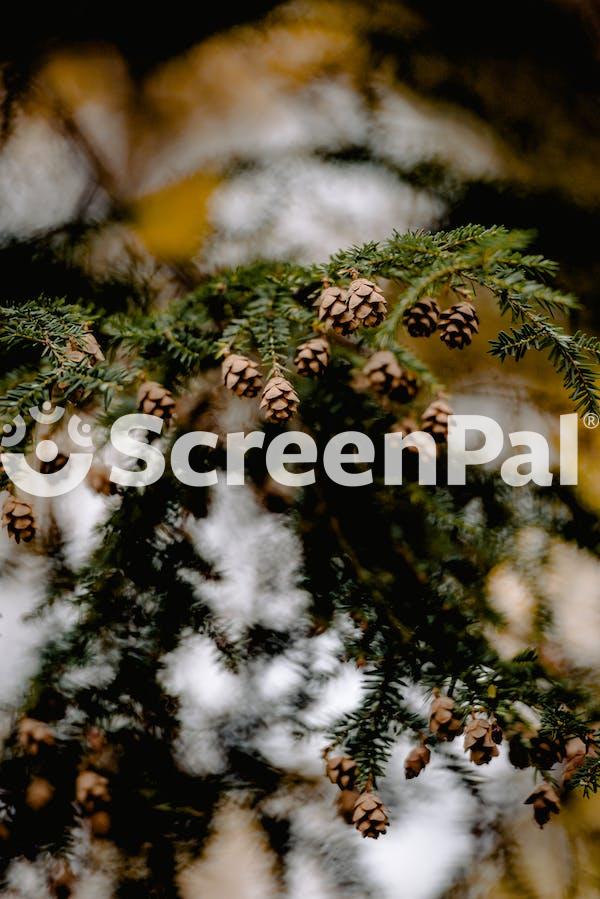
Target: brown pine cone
column 417, row 759
column 241, row 375
column 154, row 399
column 341, row 770
column 444, row 721
column 518, row 752
column 545, row 801
column 545, row 752
column 386, row 376
column 479, row 740
column 84, row 349
column 39, row 793
column 334, row 312
column 458, row 324
column 366, row 303
column 434, row 420
column 421, row 320
column 18, row 518
column 279, row 400
column 100, row 482
column 312, row 357
column 33, row 735
column 369, row 816
column 100, row 824
column 54, row 465
column 91, row 790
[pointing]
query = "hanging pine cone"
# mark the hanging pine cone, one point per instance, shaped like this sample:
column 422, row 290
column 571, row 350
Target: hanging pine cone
column 54, row 465
column 545, row 801
column 518, row 752
column 366, row 303
column 369, row 816
column 84, row 349
column 417, row 759
column 154, row 399
column 241, row 375
column 444, row 721
column 33, row 736
column 341, row 770
column 458, row 324
column 18, row 518
column 91, row 790
column 100, row 824
column 100, row 482
column 434, row 420
column 312, row 357
column 279, row 400
column 546, row 752
column 39, row 793
column 479, row 740
column 421, row 320
column 386, row 376
column 334, row 312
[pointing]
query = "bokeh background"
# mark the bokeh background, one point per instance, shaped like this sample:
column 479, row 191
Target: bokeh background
column 141, row 148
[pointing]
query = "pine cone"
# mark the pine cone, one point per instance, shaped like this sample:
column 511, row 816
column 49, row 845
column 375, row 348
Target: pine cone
column 341, row 770
column 312, row 357
column 55, row 464
column 366, row 303
column 434, row 420
column 417, row 759
column 458, row 324
column 100, row 482
column 444, row 721
column 32, row 735
column 18, row 518
column 369, row 816
column 100, row 824
column 334, row 312
column 39, row 793
column 386, row 376
column 545, row 752
column 518, row 752
column 545, row 801
column 408, row 426
column 241, row 375
column 91, row 789
column 421, row 320
column 154, row 399
column 479, row 739
column 279, row 400
column 84, row 349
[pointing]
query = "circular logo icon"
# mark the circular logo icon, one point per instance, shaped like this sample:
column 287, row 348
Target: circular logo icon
column 591, row 420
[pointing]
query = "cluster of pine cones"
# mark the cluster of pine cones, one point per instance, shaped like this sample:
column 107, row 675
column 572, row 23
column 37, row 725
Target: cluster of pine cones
column 92, row 788
column 343, row 311
column 364, row 810
column 457, row 325
column 482, row 737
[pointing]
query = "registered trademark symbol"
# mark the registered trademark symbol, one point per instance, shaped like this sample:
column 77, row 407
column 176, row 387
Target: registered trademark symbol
column 591, row 420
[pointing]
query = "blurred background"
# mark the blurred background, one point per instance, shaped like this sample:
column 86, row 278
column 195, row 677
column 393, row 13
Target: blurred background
column 140, row 149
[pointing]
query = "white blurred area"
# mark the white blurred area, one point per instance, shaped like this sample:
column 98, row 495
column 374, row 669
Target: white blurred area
column 274, row 193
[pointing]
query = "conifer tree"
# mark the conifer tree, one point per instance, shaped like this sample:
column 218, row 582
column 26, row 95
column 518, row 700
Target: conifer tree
column 398, row 573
